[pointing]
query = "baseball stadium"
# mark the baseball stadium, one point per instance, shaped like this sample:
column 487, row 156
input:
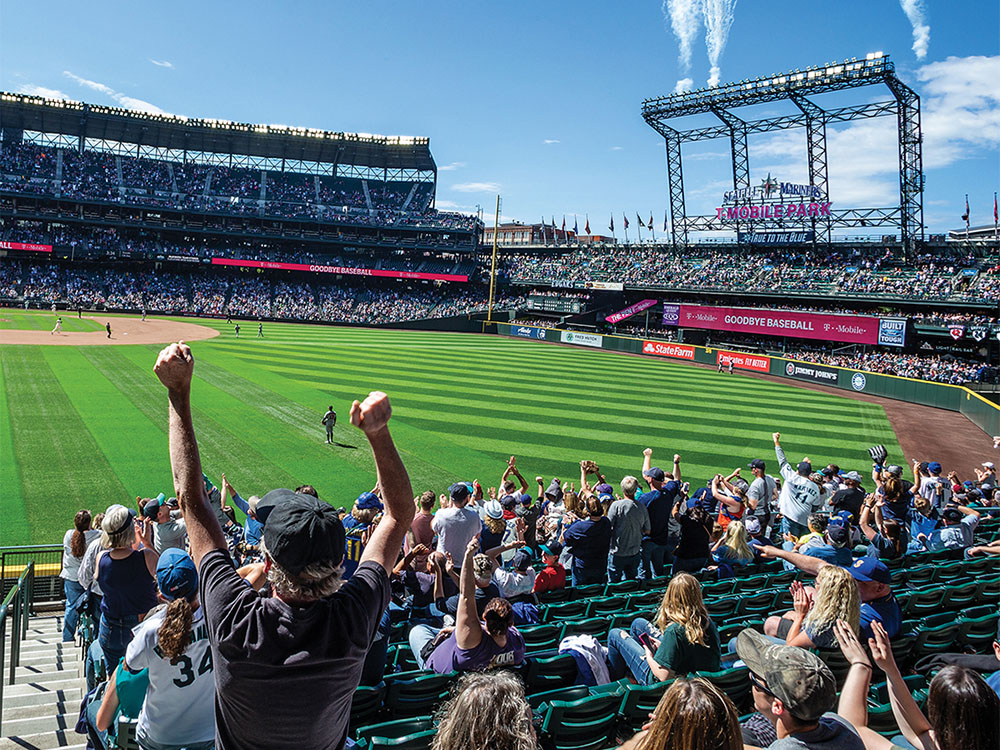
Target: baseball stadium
column 277, row 415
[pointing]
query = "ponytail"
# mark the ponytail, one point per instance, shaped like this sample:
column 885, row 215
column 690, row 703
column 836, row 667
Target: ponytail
column 78, row 543
column 174, row 635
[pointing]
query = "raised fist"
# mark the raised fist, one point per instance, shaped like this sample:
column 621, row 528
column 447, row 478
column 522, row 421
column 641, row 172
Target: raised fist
column 175, row 366
column 371, row 415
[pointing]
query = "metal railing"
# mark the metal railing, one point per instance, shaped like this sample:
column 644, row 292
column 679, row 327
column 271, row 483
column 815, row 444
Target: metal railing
column 47, row 558
column 16, row 607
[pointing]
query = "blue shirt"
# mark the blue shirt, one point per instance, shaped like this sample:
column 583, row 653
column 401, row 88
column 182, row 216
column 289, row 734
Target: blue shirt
column 253, row 528
column 353, row 546
column 589, row 542
column 884, row 610
column 897, row 510
column 834, row 555
column 921, row 524
column 659, row 504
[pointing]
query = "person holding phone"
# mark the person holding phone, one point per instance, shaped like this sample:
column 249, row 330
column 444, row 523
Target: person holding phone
column 683, row 640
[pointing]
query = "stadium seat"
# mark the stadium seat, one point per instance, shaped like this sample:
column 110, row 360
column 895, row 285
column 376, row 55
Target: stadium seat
column 784, row 578
column 402, row 734
column 718, row 588
column 606, row 605
column 933, row 637
column 990, row 593
column 416, row 694
column 882, row 720
column 925, row 601
column 837, row 662
column 584, row 724
column 544, row 637
column 542, row 673
column 761, row 603
column 960, row 595
column 588, row 592
column 595, row 626
column 564, row 611
column 621, row 587
column 919, row 575
column 638, row 702
column 657, row 583
column 977, row 631
column 749, row 584
column 399, row 658
column 571, row 693
column 721, row 609
column 556, row 595
column 645, row 600
column 948, row 572
column 366, row 705
column 734, row 682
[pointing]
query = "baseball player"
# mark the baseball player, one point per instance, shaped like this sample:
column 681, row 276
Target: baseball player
column 58, row 328
column 330, row 419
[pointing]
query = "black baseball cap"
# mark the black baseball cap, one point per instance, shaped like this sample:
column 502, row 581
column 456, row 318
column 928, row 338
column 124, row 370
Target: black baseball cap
column 757, row 463
column 300, row 530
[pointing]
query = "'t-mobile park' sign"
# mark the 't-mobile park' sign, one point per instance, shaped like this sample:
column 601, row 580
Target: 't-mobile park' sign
column 25, row 246
column 345, row 270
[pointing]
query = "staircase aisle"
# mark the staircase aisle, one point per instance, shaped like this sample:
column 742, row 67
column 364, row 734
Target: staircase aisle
column 41, row 708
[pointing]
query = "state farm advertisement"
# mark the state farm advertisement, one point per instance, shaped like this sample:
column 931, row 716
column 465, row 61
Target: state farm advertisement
column 25, row 246
column 742, row 361
column 850, row 329
column 345, row 270
column 664, row 349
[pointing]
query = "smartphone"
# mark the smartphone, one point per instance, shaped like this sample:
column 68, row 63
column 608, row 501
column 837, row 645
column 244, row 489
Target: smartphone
column 646, row 641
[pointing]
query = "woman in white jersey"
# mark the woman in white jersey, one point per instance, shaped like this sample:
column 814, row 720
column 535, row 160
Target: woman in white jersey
column 172, row 642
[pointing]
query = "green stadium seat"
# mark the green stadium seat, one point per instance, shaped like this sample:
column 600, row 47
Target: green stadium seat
column 556, row 595
column 977, row 567
column 564, row 611
column 584, row 724
column 603, row 606
column 717, row 588
column 879, row 692
column 366, row 705
column 960, row 595
column 761, row 603
column 542, row 673
column 403, row 734
column 638, row 702
column 882, row 720
column 571, row 693
column 408, row 695
column 925, row 601
column 399, row 658
column 782, row 600
column 588, row 592
column 595, row 626
column 902, row 648
column 645, row 600
column 624, row 620
column 784, row 578
column 656, row 583
column 544, row 637
column 949, row 572
column 835, row 660
column 622, row 587
column 990, row 593
column 920, row 575
column 721, row 609
column 936, row 639
column 750, row 584
column 900, row 576
column 734, row 682
column 978, row 632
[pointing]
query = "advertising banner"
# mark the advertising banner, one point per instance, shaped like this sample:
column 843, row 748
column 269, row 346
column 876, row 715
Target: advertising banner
column 892, row 332
column 528, row 332
column 345, row 270
column 664, row 349
column 25, row 246
column 671, row 314
column 581, row 339
column 631, row 310
column 811, row 372
column 614, row 286
column 851, row 329
column 774, row 238
column 743, row 361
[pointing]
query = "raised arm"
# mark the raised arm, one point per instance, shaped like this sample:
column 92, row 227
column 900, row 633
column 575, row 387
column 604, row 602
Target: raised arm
column 372, row 418
column 468, row 631
column 783, row 466
column 806, row 563
column 865, row 521
column 677, row 467
column 647, row 460
column 912, row 723
column 174, row 368
column 917, row 478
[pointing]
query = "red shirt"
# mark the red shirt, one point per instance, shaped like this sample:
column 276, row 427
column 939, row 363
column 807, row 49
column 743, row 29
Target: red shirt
column 422, row 532
column 550, row 578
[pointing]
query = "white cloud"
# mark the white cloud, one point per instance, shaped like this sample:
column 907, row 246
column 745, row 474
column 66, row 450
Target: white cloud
column 477, row 187
column 128, row 102
column 161, row 63
column 451, row 167
column 684, row 17
column 916, row 13
column 706, row 155
column 617, row 148
column 550, row 141
column 684, row 84
column 719, row 15
column 32, row 90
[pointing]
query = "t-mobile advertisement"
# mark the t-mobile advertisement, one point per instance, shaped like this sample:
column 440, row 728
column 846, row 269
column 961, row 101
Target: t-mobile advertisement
column 345, row 270
column 850, row 329
column 25, row 246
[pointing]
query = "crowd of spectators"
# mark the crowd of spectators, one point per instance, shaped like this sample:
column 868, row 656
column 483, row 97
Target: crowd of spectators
column 103, row 176
column 934, row 367
column 464, row 575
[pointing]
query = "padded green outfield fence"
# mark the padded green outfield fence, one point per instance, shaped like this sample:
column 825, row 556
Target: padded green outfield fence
column 978, row 410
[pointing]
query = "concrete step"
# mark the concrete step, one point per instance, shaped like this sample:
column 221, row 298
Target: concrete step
column 35, row 658
column 44, row 741
column 65, row 722
column 39, row 700
column 35, row 688
column 50, row 707
column 44, row 675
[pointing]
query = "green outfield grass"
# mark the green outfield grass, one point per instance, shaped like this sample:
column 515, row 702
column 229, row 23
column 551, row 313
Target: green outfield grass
column 86, row 426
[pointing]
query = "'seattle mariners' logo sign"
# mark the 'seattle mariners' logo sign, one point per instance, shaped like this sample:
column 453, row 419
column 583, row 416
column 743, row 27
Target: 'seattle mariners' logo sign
column 858, row 381
column 803, row 201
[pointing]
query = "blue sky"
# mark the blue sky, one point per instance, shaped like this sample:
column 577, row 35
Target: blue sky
column 536, row 100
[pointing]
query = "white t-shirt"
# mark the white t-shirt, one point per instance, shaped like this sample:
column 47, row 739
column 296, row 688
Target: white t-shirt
column 930, row 487
column 180, row 702
column 87, row 575
column 511, row 583
column 71, row 565
column 171, row 534
column 455, row 528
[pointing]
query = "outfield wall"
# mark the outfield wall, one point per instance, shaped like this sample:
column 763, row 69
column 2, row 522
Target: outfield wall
column 981, row 412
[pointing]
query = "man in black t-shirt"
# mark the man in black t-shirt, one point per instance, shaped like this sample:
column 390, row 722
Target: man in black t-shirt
column 304, row 647
column 849, row 498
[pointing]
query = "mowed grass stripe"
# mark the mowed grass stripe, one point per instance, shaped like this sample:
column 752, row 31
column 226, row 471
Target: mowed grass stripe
column 62, row 466
column 221, row 449
column 14, row 528
column 134, row 445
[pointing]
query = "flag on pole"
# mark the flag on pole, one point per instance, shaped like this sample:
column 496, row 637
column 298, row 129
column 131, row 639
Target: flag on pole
column 611, row 226
column 965, row 216
column 664, row 221
column 639, row 219
column 576, row 227
column 652, row 231
column 555, row 232
column 626, row 220
column 544, row 237
column 996, row 217
column 586, row 227
column 564, row 225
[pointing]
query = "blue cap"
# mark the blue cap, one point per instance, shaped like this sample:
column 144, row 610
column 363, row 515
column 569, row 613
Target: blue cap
column 460, row 491
column 508, row 502
column 522, row 560
column 655, row 473
column 870, row 569
column 526, row 499
column 176, row 575
column 368, row 501
column 606, row 497
column 934, row 467
column 804, row 468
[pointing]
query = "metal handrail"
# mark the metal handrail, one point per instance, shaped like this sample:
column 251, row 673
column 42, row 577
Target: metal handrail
column 17, row 604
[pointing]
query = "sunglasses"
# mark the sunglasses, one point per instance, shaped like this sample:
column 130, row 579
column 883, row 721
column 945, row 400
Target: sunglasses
column 757, row 683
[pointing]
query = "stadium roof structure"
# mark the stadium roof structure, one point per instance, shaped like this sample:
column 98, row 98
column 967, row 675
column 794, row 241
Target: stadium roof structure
column 661, row 114
column 175, row 132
